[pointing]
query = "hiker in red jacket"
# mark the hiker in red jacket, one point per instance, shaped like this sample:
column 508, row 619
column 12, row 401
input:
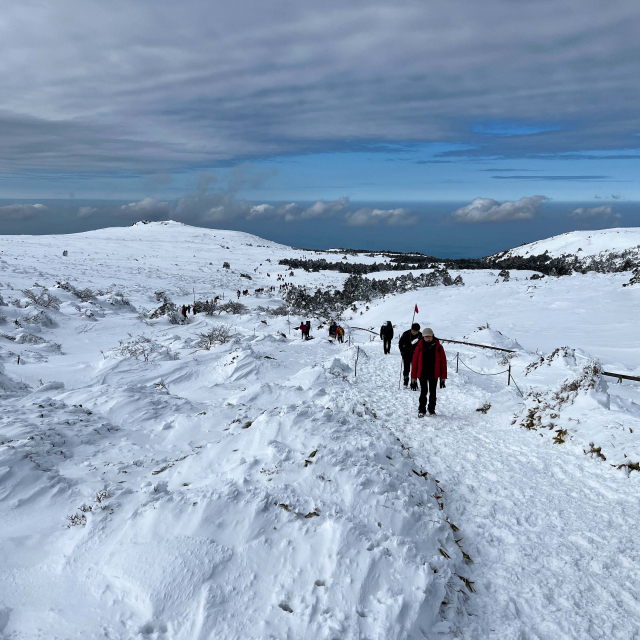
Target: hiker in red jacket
column 429, row 363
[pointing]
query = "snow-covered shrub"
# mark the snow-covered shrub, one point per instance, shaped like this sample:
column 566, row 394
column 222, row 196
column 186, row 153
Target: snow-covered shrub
column 42, row 298
column 83, row 295
column 144, row 348
column 280, row 310
column 118, row 299
column 30, row 338
column 635, row 278
column 2, row 302
column 167, row 308
column 232, row 307
column 176, row 317
column 41, row 318
column 226, row 265
column 207, row 306
column 219, row 334
column 505, row 275
column 557, row 407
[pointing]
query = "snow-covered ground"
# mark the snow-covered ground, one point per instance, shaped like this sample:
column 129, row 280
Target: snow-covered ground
column 582, row 243
column 150, row 488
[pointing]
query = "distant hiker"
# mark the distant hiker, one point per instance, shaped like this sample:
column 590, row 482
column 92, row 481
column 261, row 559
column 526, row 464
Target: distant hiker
column 386, row 335
column 333, row 327
column 184, row 311
column 407, row 343
column 215, row 300
column 340, row 334
column 429, row 363
column 308, row 329
column 238, row 294
column 303, row 330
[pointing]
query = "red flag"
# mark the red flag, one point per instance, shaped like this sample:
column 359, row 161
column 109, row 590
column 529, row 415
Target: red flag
column 417, row 309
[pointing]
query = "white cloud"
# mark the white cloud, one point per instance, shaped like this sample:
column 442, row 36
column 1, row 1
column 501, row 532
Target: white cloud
column 22, row 211
column 489, row 210
column 260, row 210
column 323, row 209
column 147, row 207
column 86, row 212
column 371, row 217
column 595, row 212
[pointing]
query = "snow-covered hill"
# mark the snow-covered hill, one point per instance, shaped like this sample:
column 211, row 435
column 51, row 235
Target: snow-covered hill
column 582, row 243
column 607, row 250
column 152, row 487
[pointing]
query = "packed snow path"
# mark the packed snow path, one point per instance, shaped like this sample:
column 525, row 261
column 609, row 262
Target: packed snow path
column 553, row 534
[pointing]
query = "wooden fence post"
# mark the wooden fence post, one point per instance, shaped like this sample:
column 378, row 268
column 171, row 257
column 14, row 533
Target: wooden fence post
column 509, row 381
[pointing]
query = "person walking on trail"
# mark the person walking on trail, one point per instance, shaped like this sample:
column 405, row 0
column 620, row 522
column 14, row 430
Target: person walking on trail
column 333, row 328
column 407, row 344
column 308, row 329
column 386, row 335
column 429, row 363
column 239, row 294
column 184, row 311
column 303, row 330
column 340, row 334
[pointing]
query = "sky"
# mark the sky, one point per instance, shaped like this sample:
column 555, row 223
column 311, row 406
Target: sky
column 362, row 119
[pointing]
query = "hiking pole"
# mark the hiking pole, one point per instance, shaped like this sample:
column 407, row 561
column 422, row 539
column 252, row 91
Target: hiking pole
column 400, row 378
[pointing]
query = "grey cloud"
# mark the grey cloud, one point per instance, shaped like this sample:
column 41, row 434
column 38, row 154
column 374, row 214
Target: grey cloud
column 204, row 180
column 201, row 88
column 488, row 210
column 605, row 212
column 371, row 217
column 23, row 211
column 162, row 179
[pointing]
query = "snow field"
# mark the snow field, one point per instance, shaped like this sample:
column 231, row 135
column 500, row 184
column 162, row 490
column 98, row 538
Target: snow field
column 152, row 489
column 551, row 532
column 271, row 508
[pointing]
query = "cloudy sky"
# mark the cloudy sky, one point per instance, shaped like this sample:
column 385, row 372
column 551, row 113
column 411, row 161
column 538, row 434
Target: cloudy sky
column 290, row 111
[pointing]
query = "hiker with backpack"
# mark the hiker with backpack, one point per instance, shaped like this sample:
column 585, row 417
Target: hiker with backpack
column 407, row 344
column 386, row 335
column 333, row 328
column 429, row 363
column 340, row 334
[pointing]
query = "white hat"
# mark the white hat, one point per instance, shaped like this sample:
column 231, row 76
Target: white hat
column 427, row 332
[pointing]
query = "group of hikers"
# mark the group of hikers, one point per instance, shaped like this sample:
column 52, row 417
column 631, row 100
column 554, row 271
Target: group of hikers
column 198, row 307
column 336, row 332
column 423, row 359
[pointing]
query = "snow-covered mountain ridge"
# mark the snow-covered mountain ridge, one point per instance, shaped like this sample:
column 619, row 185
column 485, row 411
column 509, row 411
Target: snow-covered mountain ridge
column 606, row 251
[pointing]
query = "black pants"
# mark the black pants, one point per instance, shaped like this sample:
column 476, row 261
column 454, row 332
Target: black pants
column 406, row 366
column 386, row 342
column 427, row 385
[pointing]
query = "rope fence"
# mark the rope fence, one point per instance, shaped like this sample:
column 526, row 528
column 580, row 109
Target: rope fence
column 497, row 373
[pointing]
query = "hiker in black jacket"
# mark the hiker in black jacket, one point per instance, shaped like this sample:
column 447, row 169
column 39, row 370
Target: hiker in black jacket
column 407, row 343
column 386, row 335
